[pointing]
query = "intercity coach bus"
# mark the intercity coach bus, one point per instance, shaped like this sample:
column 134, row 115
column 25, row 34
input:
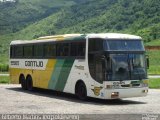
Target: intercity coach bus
column 105, row 66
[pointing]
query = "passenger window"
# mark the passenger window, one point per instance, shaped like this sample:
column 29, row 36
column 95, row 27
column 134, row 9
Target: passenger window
column 63, row 49
column 38, row 50
column 66, row 49
column 81, row 49
column 28, row 51
column 78, row 49
column 18, row 51
column 50, row 50
column 73, row 49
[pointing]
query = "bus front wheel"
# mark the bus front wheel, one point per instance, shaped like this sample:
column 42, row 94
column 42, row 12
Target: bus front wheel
column 81, row 91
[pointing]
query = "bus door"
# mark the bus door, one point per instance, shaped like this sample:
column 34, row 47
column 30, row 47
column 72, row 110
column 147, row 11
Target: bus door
column 99, row 75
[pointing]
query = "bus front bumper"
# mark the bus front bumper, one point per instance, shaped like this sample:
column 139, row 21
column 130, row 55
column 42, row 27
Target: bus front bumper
column 125, row 93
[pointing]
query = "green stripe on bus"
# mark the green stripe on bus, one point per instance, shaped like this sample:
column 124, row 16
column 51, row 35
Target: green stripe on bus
column 55, row 74
column 65, row 71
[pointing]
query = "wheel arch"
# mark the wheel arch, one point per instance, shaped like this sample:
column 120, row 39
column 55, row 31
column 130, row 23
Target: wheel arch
column 28, row 76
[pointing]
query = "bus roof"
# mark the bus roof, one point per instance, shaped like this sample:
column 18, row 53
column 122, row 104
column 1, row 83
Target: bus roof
column 78, row 37
column 113, row 36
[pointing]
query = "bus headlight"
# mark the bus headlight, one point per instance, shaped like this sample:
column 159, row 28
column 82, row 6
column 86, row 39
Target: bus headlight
column 108, row 86
column 114, row 94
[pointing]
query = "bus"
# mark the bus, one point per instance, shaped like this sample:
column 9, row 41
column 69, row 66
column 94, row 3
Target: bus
column 102, row 65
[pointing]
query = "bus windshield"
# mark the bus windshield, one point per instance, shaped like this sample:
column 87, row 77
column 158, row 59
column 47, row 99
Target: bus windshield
column 122, row 45
column 127, row 67
column 121, row 59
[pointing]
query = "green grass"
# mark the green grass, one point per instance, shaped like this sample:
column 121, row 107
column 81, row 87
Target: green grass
column 154, row 58
column 153, row 43
column 4, row 72
column 154, row 83
column 4, row 79
column 4, row 59
column 154, row 70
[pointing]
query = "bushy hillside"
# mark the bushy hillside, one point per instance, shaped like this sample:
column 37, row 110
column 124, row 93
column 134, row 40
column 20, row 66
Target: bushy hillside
column 16, row 15
column 136, row 16
column 141, row 17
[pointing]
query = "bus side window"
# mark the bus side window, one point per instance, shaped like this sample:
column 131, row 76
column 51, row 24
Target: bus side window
column 12, row 52
column 81, row 49
column 62, row 49
column 49, row 50
column 59, row 50
column 38, row 51
column 65, row 49
column 78, row 49
column 28, row 51
column 73, row 49
column 18, row 51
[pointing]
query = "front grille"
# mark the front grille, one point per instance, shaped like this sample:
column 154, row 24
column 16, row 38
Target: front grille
column 135, row 85
column 127, row 85
column 130, row 85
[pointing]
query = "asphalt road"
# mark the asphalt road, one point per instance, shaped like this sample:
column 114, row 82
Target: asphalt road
column 14, row 100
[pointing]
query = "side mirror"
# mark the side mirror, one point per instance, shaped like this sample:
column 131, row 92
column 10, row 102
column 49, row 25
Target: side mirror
column 147, row 61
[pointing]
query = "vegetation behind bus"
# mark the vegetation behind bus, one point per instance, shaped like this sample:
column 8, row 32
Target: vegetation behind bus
column 4, row 79
column 4, row 68
column 134, row 17
column 154, row 58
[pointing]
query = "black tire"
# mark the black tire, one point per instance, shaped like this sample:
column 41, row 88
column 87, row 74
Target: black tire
column 23, row 82
column 81, row 91
column 29, row 84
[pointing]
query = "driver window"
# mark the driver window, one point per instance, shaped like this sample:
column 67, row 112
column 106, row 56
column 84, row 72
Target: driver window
column 98, row 69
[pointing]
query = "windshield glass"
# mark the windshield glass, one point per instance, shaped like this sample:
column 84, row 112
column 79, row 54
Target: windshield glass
column 127, row 67
column 122, row 45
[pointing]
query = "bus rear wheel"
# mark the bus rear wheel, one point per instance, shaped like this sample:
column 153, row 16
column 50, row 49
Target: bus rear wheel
column 23, row 82
column 29, row 83
column 81, row 91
